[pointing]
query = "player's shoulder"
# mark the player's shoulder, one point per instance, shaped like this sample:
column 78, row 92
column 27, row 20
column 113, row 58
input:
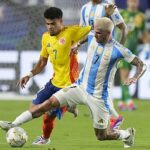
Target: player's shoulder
column 76, row 27
column 45, row 33
column 72, row 27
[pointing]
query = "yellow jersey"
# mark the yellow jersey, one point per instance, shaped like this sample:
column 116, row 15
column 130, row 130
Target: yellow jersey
column 58, row 50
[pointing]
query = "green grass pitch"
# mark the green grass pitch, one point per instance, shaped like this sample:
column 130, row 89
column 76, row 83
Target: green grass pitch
column 77, row 133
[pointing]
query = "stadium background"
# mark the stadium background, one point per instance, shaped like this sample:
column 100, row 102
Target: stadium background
column 21, row 27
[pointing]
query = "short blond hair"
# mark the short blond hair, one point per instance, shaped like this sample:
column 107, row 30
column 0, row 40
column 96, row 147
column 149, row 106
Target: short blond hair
column 104, row 24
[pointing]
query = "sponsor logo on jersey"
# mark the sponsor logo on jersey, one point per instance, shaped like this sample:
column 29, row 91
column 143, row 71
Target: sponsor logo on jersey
column 62, row 41
column 107, row 54
column 101, row 121
column 93, row 47
column 48, row 45
column 99, row 50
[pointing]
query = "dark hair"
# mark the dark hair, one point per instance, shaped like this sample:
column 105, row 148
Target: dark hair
column 53, row 13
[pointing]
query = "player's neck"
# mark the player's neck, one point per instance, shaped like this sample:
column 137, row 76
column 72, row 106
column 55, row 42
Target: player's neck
column 103, row 43
column 106, row 42
column 61, row 29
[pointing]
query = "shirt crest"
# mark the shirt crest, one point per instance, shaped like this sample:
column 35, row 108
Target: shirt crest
column 62, row 41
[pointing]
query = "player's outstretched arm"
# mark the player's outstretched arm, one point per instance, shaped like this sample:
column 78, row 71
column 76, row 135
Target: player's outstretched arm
column 36, row 70
column 140, row 70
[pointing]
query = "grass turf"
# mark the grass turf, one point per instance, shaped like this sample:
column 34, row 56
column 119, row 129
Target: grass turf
column 77, row 133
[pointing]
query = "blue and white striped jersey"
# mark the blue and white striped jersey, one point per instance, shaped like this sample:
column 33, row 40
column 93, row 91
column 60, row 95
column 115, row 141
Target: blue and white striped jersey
column 90, row 12
column 100, row 67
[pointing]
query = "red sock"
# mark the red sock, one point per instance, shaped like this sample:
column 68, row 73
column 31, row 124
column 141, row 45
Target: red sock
column 48, row 125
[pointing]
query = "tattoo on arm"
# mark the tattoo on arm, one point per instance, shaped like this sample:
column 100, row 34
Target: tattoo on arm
column 141, row 67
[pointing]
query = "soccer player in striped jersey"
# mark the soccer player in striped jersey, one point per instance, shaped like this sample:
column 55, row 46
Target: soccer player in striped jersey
column 56, row 48
column 89, row 13
column 96, row 9
column 93, row 88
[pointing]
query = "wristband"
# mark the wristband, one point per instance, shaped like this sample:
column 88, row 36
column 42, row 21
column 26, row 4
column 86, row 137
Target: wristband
column 30, row 74
column 78, row 44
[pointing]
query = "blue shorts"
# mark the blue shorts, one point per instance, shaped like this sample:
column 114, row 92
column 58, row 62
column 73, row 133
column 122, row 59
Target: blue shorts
column 45, row 93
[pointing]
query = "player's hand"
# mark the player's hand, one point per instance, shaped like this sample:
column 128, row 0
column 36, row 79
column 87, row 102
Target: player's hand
column 130, row 81
column 74, row 49
column 23, row 81
column 109, row 9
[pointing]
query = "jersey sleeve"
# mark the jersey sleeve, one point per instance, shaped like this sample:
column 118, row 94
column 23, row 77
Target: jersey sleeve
column 126, row 53
column 43, row 52
column 116, row 17
column 80, row 32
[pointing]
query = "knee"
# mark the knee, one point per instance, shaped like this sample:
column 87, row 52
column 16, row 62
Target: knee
column 54, row 102
column 49, row 104
column 34, row 110
column 40, row 109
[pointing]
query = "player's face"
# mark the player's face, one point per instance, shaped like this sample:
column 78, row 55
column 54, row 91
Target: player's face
column 54, row 26
column 96, row 1
column 133, row 4
column 102, row 36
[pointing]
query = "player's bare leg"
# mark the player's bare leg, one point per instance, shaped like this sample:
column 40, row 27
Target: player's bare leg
column 104, row 134
column 34, row 112
column 127, row 136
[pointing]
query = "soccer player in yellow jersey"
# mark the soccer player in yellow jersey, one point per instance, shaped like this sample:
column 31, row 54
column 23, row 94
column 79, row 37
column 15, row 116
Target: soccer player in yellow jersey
column 56, row 48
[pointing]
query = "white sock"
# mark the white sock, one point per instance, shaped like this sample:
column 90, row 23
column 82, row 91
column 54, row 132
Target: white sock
column 123, row 134
column 22, row 118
